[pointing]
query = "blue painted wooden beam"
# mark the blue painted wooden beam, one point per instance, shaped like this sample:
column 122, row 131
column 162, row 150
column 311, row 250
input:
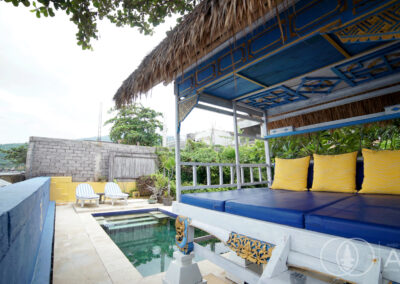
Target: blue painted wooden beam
column 336, row 125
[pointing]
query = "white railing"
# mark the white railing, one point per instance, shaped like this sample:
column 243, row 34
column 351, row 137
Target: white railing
column 259, row 168
column 255, row 179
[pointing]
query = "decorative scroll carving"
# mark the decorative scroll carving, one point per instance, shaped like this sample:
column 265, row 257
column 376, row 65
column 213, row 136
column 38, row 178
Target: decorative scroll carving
column 181, row 239
column 250, row 249
column 273, row 97
column 318, row 85
column 370, row 67
column 185, row 106
column 384, row 25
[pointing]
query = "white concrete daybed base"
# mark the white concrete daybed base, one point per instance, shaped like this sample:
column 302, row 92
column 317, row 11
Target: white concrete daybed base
column 294, row 247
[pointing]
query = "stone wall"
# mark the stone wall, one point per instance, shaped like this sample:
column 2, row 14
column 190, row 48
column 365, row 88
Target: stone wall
column 87, row 160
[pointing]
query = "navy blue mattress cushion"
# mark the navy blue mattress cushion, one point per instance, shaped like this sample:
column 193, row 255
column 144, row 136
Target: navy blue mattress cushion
column 282, row 206
column 216, row 200
column 373, row 218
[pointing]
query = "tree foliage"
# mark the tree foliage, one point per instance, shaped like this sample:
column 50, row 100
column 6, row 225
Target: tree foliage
column 16, row 155
column 141, row 14
column 135, row 124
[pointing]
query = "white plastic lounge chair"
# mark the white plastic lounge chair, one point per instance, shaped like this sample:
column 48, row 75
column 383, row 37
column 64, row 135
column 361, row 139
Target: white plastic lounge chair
column 84, row 192
column 113, row 192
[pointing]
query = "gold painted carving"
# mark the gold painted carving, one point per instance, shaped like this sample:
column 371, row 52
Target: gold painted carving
column 250, row 249
column 381, row 26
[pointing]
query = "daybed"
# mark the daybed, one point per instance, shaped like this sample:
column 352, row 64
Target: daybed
column 373, row 218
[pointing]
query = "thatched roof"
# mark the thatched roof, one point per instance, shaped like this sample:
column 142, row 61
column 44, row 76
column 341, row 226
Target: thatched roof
column 211, row 23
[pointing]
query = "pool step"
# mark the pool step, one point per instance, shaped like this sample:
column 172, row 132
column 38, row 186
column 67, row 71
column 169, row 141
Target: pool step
column 136, row 220
column 132, row 225
column 126, row 217
column 113, row 223
column 159, row 215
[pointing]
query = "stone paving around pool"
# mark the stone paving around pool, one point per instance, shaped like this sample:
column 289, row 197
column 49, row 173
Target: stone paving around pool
column 84, row 253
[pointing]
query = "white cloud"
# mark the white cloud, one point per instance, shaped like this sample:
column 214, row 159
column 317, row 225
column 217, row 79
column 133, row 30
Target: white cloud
column 50, row 87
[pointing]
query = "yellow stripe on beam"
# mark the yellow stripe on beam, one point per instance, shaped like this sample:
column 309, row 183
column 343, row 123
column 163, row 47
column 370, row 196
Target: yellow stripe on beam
column 251, row 80
column 335, row 45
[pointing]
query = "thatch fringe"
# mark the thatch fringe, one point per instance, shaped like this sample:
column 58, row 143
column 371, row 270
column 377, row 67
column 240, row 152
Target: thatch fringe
column 211, row 23
column 369, row 106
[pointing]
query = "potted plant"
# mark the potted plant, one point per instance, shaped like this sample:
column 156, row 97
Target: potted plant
column 167, row 200
column 168, row 164
column 160, row 198
column 152, row 199
column 155, row 197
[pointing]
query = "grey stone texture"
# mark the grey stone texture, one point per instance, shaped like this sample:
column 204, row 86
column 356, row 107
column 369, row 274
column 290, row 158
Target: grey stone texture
column 88, row 160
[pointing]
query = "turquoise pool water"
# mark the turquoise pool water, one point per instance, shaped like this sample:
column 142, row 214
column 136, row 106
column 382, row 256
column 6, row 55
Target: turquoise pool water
column 148, row 239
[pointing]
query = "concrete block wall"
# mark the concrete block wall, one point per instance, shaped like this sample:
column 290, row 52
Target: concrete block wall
column 83, row 160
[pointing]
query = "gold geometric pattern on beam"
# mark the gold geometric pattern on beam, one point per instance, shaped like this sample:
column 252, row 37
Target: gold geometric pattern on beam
column 384, row 25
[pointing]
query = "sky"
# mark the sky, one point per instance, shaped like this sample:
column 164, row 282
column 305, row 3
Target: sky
column 50, row 87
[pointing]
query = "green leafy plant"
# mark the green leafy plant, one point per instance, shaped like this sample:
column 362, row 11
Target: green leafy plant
column 160, row 181
column 144, row 15
column 16, row 155
column 167, row 164
column 135, row 124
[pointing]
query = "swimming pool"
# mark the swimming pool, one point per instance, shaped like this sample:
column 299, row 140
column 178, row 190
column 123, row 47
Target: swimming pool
column 148, row 238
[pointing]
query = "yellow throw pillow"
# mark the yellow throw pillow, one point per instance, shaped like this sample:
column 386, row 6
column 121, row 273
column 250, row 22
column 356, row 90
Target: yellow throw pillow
column 335, row 173
column 381, row 172
column 291, row 174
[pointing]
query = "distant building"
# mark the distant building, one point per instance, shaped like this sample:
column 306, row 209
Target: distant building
column 248, row 127
column 218, row 137
column 170, row 142
column 213, row 137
